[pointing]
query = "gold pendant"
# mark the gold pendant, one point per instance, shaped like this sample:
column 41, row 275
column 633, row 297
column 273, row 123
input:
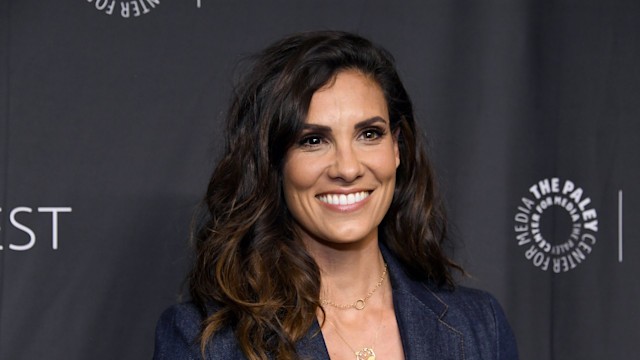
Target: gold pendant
column 366, row 354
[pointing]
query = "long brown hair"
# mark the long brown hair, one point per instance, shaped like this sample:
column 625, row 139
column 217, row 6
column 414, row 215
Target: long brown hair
column 251, row 273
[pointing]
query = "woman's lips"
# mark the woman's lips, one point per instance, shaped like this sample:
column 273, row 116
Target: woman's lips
column 343, row 199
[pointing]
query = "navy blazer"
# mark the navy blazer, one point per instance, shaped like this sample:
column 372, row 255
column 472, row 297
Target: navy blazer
column 463, row 324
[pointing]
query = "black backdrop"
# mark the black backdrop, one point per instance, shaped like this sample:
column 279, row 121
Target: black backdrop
column 110, row 118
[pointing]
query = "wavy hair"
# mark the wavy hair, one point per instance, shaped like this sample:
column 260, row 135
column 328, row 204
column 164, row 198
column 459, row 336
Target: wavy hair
column 251, row 273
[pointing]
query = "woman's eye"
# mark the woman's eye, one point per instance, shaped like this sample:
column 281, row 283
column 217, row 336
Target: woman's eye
column 372, row 134
column 312, row 140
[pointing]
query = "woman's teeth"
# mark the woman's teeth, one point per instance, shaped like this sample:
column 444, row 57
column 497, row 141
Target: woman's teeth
column 343, row 199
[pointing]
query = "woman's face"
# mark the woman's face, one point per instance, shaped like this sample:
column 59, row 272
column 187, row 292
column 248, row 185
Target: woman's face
column 339, row 176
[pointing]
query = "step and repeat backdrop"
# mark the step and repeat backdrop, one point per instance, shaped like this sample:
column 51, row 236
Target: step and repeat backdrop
column 110, row 122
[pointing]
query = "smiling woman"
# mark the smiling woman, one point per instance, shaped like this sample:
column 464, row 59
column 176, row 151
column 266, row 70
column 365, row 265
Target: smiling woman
column 340, row 176
column 322, row 235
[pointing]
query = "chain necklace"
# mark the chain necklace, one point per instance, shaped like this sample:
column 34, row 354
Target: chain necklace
column 360, row 303
column 366, row 353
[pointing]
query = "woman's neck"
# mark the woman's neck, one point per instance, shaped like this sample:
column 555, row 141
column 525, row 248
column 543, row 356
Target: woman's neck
column 348, row 271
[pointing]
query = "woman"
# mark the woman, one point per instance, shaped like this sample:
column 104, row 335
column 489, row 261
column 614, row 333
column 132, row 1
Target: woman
column 323, row 235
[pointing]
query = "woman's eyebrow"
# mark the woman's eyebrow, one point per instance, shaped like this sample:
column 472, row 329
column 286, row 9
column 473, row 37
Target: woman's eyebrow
column 359, row 125
column 369, row 122
column 316, row 128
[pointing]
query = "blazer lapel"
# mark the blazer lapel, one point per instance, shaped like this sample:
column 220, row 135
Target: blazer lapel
column 312, row 346
column 424, row 334
column 421, row 317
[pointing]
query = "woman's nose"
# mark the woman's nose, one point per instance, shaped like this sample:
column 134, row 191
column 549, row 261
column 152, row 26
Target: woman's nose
column 347, row 165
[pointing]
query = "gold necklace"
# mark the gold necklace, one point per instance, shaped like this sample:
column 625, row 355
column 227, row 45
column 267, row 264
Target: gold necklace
column 366, row 353
column 360, row 303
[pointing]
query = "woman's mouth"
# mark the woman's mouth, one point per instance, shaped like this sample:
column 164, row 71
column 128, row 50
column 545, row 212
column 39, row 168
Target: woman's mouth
column 343, row 199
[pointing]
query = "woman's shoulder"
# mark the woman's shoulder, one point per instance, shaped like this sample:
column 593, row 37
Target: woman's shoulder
column 178, row 335
column 462, row 298
column 478, row 315
column 183, row 312
column 457, row 302
column 464, row 305
column 470, row 303
column 177, row 332
column 473, row 315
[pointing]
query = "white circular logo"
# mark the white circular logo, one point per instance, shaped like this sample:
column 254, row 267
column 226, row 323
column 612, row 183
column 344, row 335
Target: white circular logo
column 125, row 9
column 566, row 245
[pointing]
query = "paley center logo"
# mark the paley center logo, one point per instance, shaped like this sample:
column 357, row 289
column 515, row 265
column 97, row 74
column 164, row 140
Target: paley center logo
column 125, row 9
column 534, row 222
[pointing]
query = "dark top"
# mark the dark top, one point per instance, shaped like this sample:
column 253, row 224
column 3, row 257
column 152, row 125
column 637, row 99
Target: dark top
column 434, row 323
